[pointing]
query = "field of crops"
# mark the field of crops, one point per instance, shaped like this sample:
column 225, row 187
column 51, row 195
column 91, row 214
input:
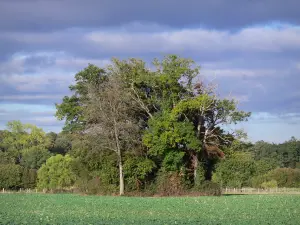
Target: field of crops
column 75, row 209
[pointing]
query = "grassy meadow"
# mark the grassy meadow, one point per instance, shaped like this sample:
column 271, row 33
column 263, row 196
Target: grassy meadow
column 76, row 209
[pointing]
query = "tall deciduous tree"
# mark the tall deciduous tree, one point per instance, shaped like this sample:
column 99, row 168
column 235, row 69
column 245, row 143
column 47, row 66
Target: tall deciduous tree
column 71, row 108
column 110, row 118
column 20, row 137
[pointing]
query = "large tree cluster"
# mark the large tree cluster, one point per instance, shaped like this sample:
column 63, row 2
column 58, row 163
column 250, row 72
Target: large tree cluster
column 159, row 117
column 144, row 129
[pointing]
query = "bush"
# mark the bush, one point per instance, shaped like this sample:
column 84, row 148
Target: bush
column 269, row 184
column 29, row 177
column 34, row 157
column 209, row 188
column 94, row 186
column 56, row 173
column 236, row 171
column 169, row 183
column 136, row 171
column 200, row 177
column 10, row 176
column 258, row 180
column 235, row 183
column 285, row 177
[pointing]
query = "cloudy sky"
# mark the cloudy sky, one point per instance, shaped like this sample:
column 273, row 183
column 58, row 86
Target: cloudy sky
column 250, row 48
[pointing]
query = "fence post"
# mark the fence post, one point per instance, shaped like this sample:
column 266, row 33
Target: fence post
column 3, row 190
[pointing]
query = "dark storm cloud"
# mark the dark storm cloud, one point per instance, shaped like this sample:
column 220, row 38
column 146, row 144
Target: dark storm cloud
column 47, row 15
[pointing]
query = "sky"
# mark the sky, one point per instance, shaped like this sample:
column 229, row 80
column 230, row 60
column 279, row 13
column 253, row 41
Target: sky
column 250, row 48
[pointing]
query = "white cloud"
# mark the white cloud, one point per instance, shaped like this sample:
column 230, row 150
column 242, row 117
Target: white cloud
column 236, row 72
column 80, row 63
column 261, row 39
column 148, row 38
column 238, row 61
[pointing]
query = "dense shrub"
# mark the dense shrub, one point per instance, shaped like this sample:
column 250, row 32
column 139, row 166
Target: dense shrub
column 285, row 177
column 236, row 171
column 200, row 175
column 136, row 170
column 10, row 176
column 269, row 184
column 263, row 166
column 209, row 188
column 34, row 157
column 169, row 183
column 56, row 173
column 29, row 177
column 258, row 180
column 7, row 158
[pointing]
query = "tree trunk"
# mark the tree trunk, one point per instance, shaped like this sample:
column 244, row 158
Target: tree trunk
column 195, row 156
column 119, row 158
column 195, row 165
column 121, row 176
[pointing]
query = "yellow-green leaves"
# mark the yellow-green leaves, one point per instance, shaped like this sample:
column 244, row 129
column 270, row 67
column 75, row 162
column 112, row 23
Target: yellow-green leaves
column 56, row 173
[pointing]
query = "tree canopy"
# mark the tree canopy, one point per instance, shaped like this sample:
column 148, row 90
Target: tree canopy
column 134, row 127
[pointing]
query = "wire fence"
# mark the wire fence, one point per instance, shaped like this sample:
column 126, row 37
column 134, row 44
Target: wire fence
column 21, row 190
column 224, row 191
column 261, row 191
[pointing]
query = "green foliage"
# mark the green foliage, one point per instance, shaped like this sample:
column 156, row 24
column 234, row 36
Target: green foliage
column 96, row 172
column 56, row 173
column 269, row 184
column 256, row 181
column 126, row 103
column 34, row 157
column 170, row 183
column 286, row 154
column 200, row 178
column 7, row 157
column 29, row 177
column 173, row 161
column 264, row 165
column 20, row 136
column 209, row 188
column 71, row 108
column 236, row 171
column 62, row 145
column 168, row 138
column 136, row 170
column 285, row 177
column 10, row 176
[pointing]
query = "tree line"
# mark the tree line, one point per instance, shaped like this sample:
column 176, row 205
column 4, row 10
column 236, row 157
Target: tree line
column 133, row 129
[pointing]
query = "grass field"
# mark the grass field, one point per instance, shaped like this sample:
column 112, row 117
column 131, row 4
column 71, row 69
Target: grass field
column 75, row 209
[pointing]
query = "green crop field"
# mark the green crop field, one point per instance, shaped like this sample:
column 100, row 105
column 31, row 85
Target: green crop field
column 75, row 209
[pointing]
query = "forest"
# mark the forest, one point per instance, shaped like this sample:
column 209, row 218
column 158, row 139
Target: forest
column 137, row 129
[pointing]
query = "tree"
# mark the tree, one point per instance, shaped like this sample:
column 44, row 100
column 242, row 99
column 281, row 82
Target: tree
column 34, row 157
column 173, row 101
column 236, row 171
column 109, row 113
column 209, row 116
column 71, row 108
column 160, row 114
column 20, row 136
column 10, row 176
